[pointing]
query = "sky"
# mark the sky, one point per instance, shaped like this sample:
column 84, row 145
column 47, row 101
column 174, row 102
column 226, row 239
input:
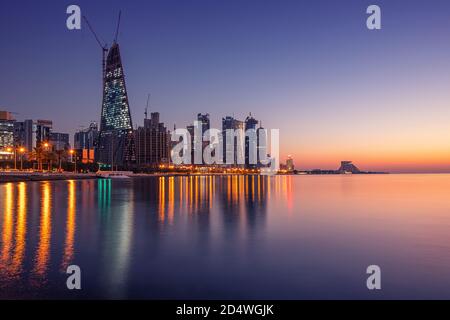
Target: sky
column 336, row 90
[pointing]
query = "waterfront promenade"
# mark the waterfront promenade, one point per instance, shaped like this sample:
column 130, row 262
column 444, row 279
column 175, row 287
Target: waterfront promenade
column 17, row 176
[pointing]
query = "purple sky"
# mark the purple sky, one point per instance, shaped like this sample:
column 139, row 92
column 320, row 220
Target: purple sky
column 311, row 68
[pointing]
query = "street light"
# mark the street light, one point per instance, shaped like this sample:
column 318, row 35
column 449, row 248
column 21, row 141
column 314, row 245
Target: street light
column 22, row 151
column 46, row 146
column 73, row 153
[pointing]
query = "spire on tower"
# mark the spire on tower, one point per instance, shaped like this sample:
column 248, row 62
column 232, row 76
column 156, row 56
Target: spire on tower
column 146, row 107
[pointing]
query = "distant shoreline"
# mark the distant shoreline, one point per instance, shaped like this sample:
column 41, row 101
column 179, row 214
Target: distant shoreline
column 331, row 172
column 7, row 177
column 14, row 177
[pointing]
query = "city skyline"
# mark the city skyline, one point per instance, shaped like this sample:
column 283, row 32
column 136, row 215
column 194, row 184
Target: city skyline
column 225, row 157
column 330, row 104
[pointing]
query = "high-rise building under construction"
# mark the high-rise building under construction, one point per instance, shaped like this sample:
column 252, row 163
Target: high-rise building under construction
column 116, row 145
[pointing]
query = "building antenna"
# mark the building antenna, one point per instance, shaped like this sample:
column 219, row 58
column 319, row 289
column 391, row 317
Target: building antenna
column 146, row 107
column 118, row 26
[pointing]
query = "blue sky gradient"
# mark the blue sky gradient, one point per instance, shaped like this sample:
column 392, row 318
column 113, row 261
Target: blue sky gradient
column 311, row 68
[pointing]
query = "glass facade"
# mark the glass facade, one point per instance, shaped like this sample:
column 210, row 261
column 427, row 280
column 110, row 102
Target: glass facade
column 6, row 133
column 116, row 139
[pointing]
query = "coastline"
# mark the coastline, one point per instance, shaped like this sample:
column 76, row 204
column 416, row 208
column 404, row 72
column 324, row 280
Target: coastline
column 7, row 177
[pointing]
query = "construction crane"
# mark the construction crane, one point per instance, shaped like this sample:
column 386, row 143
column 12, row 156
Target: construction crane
column 118, row 26
column 103, row 47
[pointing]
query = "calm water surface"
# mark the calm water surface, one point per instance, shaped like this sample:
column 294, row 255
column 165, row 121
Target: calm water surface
column 235, row 237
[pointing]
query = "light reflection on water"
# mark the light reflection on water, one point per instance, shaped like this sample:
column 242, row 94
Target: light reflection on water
column 70, row 226
column 227, row 237
column 45, row 234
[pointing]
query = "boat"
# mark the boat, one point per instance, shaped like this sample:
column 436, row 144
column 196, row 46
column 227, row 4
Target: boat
column 114, row 174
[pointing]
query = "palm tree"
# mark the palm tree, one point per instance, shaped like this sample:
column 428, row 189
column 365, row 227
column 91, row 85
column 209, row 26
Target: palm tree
column 61, row 155
column 51, row 157
column 37, row 154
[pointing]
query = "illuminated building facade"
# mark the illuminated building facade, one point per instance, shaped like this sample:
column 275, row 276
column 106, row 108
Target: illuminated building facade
column 6, row 129
column 86, row 139
column 230, row 123
column 116, row 139
column 250, row 141
column 31, row 134
column 191, row 130
column 205, row 124
column 290, row 164
column 59, row 141
column 25, row 134
column 42, row 131
column 152, row 143
column 85, row 156
column 85, row 143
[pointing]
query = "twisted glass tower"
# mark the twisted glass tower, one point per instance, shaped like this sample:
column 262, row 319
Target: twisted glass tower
column 116, row 141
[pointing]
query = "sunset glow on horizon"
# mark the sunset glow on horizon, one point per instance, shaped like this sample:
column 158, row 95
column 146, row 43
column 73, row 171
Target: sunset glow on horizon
column 379, row 98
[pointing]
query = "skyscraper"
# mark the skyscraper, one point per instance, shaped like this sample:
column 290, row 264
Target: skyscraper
column 86, row 139
column 31, row 134
column 205, row 124
column 43, row 128
column 116, row 139
column 236, row 144
column 6, row 129
column 25, row 134
column 261, row 147
column 191, row 130
column 59, row 141
column 290, row 164
column 251, row 142
column 152, row 143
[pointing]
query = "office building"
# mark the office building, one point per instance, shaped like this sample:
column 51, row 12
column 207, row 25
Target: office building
column 59, row 141
column 86, row 139
column 290, row 164
column 6, row 136
column 205, row 124
column 251, row 142
column 116, row 147
column 6, row 129
column 152, row 143
column 42, row 130
column 191, row 130
column 236, row 145
column 25, row 134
